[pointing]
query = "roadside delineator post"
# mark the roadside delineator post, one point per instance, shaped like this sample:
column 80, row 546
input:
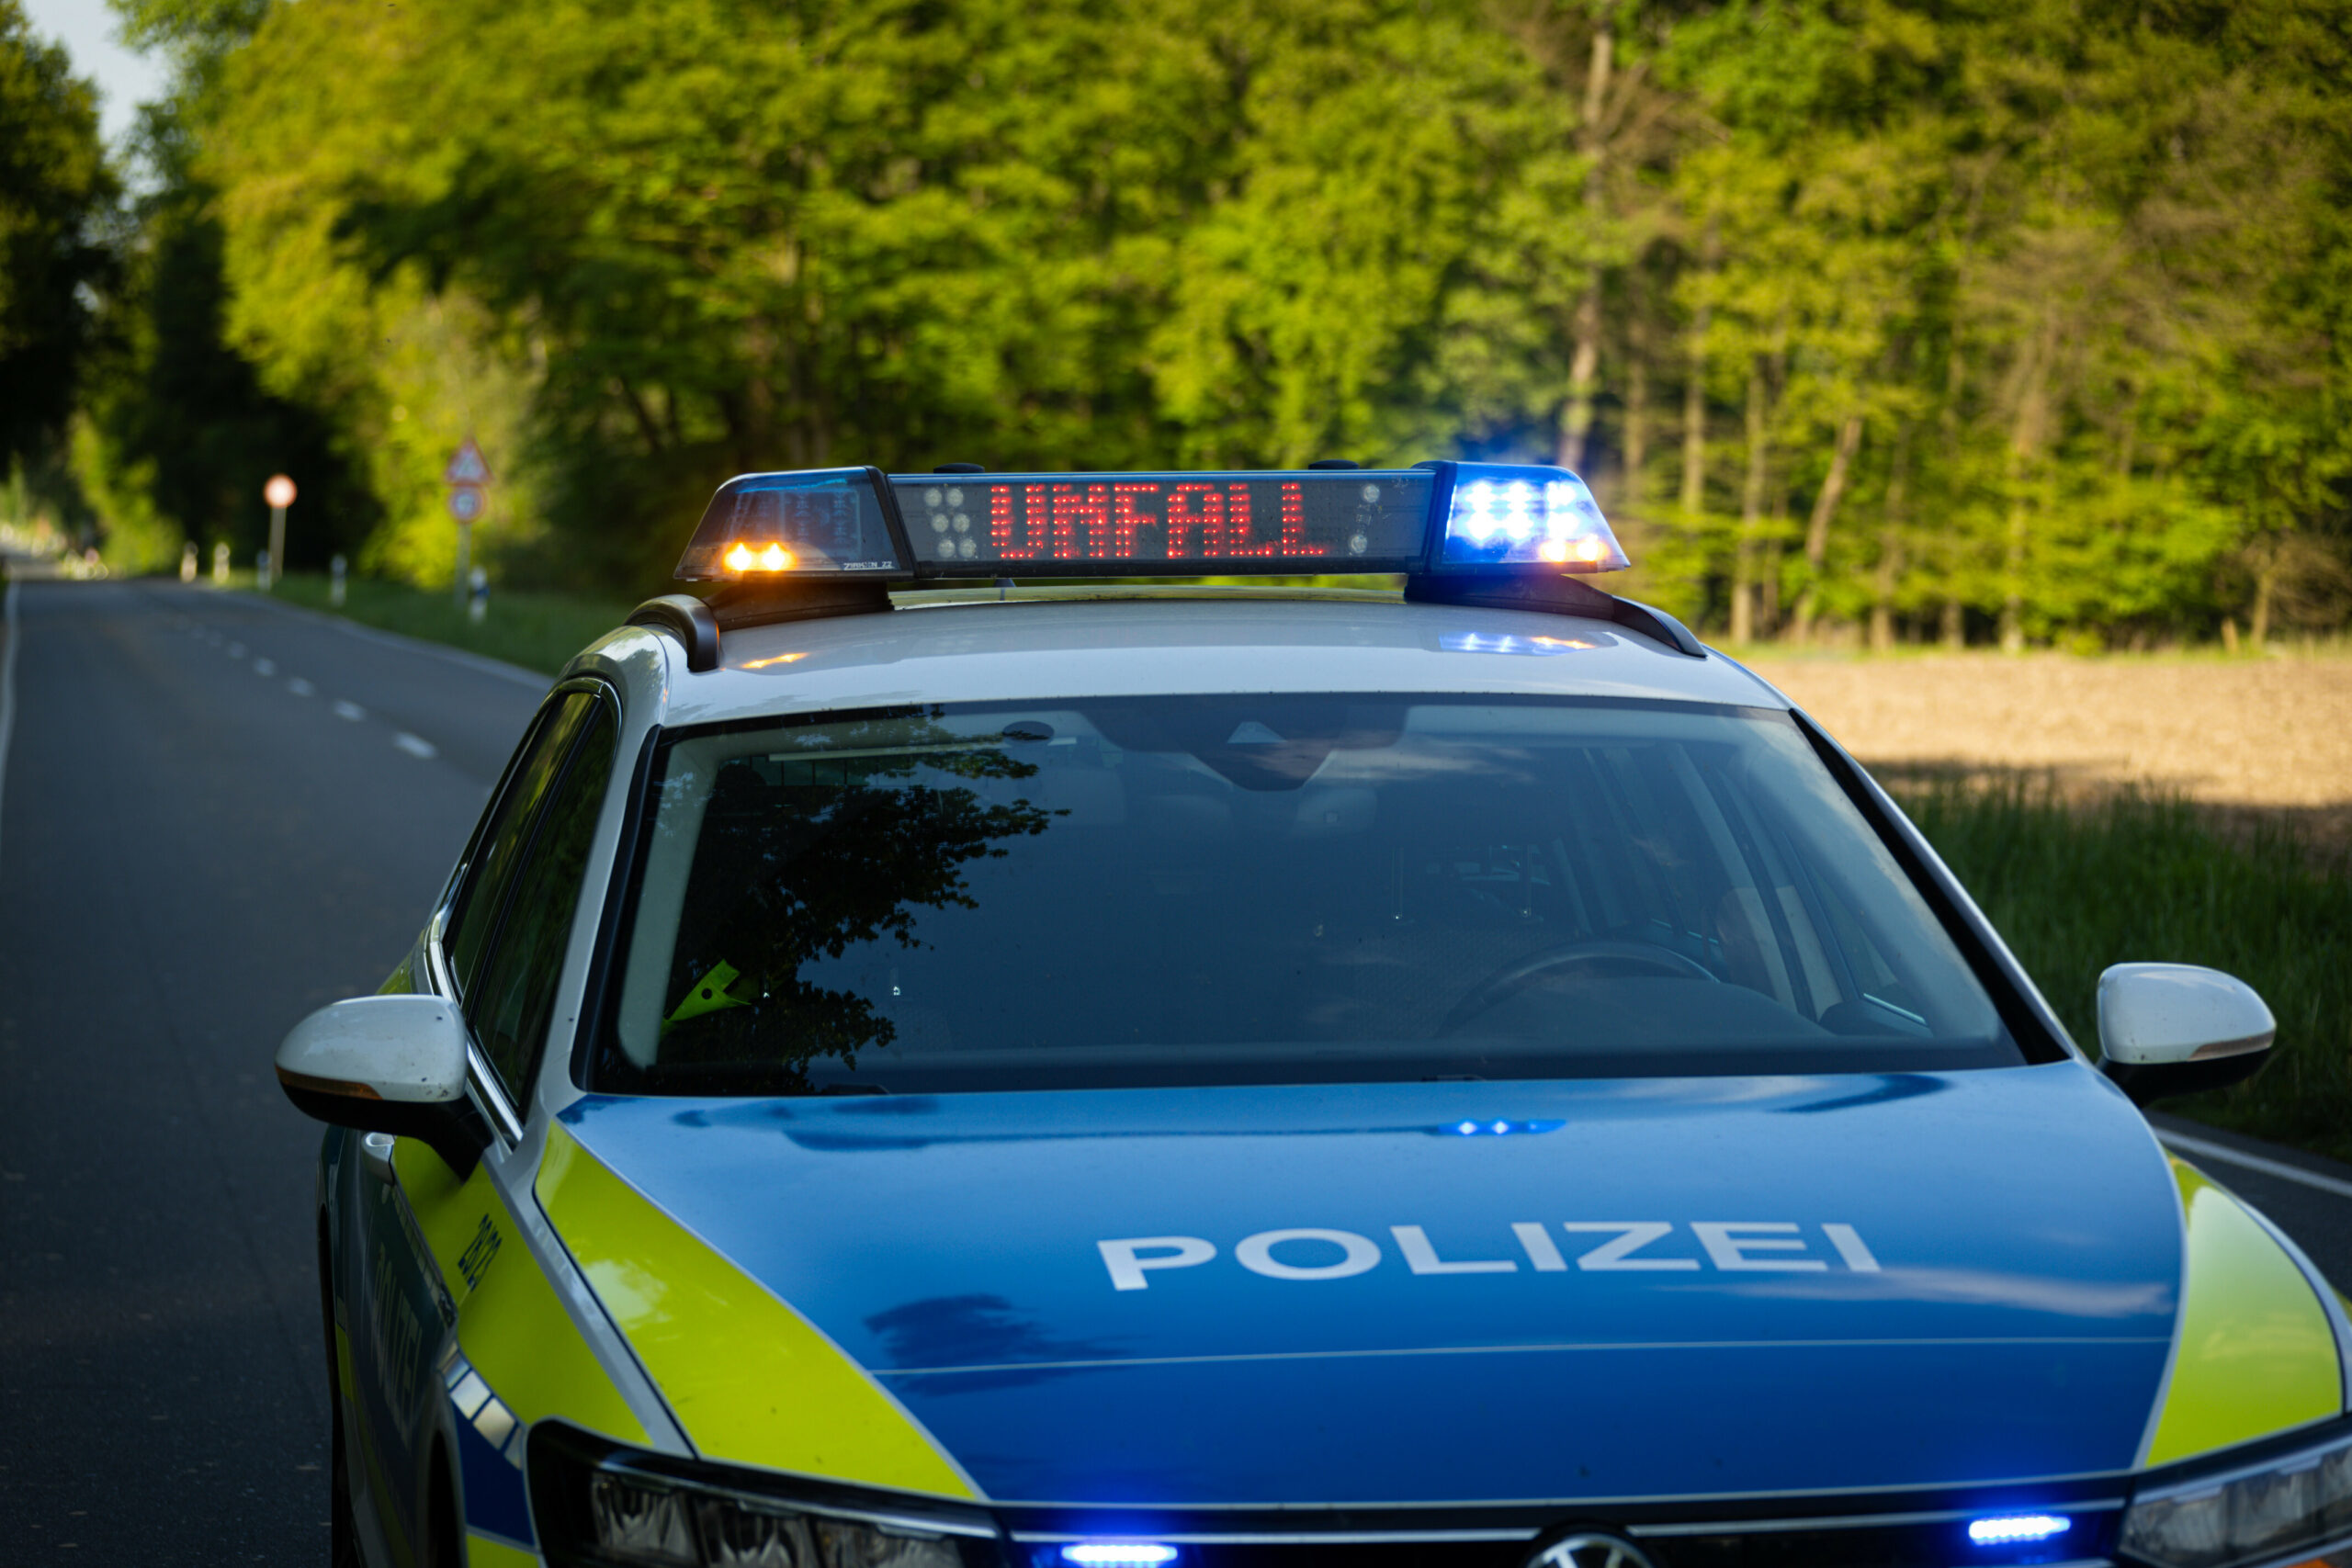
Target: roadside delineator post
column 335, row 583
column 478, row 605
column 221, row 564
column 279, row 493
column 188, row 561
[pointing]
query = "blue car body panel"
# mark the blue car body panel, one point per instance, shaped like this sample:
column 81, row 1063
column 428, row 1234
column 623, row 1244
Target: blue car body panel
column 1911, row 1280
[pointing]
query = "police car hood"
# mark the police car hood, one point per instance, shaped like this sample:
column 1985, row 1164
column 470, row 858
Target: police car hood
column 1433, row 1292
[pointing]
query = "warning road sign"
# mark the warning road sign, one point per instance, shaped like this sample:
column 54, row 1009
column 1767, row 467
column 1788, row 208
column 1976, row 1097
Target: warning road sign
column 467, row 467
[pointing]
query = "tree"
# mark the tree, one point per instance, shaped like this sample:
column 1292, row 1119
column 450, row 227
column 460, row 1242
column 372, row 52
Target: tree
column 57, row 198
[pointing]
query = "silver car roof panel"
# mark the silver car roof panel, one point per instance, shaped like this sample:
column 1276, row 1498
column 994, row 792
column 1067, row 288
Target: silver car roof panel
column 1038, row 650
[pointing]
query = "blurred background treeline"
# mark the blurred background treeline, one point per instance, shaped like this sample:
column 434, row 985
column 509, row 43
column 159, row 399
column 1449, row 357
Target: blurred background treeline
column 2023, row 322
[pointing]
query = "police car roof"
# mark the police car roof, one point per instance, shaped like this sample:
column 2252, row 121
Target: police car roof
column 1050, row 643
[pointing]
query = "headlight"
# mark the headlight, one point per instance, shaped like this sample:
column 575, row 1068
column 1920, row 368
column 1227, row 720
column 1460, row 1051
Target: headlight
column 2294, row 1508
column 597, row 1504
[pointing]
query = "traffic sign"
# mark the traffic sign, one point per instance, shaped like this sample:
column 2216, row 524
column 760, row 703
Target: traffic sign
column 466, row 467
column 465, row 502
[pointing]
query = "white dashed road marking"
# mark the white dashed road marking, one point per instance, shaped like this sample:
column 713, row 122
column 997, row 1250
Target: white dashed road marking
column 414, row 747
column 300, row 687
column 264, row 667
column 351, row 711
column 236, row 651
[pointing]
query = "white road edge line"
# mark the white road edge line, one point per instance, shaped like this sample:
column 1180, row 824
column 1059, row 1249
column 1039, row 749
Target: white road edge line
column 2228, row 1156
column 415, row 746
column 8, row 681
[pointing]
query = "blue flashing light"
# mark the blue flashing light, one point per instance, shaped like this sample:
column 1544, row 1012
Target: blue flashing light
column 1506, row 516
column 1118, row 1554
column 2018, row 1530
column 1465, row 1128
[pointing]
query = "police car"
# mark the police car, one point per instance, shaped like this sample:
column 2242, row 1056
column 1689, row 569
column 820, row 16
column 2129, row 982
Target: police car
column 918, row 1071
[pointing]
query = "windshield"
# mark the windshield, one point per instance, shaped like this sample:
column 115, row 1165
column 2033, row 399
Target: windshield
column 1268, row 889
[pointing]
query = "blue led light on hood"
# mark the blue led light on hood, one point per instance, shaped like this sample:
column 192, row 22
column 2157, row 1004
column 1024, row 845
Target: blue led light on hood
column 1118, row 1554
column 2018, row 1530
column 1492, row 1128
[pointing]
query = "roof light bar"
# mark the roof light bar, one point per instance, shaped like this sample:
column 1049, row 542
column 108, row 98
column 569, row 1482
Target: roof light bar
column 820, row 520
column 1446, row 518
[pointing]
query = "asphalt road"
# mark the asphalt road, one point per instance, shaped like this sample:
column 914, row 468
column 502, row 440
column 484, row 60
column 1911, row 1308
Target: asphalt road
column 217, row 814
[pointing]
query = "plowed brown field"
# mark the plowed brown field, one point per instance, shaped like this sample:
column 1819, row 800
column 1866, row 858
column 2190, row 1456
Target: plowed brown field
column 2267, row 736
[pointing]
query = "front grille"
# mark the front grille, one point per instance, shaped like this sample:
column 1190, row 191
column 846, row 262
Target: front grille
column 1671, row 1537
column 1918, row 1529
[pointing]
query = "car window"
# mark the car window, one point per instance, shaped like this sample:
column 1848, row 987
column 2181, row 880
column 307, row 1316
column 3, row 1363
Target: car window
column 514, row 990
column 481, row 896
column 1247, row 889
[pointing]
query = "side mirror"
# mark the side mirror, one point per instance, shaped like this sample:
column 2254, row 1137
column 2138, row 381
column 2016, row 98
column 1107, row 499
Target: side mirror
column 393, row 1063
column 2172, row 1028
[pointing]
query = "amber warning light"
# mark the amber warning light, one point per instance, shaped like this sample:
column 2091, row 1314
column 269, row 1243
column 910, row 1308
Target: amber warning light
column 1441, row 517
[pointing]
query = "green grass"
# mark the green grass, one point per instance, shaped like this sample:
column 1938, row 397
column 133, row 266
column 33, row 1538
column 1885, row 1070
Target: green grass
column 2076, row 886
column 538, row 631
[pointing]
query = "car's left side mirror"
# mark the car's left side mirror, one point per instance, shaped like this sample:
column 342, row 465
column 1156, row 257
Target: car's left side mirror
column 2173, row 1029
column 389, row 1064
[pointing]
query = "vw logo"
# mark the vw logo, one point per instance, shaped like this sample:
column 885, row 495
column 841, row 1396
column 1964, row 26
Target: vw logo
column 1591, row 1548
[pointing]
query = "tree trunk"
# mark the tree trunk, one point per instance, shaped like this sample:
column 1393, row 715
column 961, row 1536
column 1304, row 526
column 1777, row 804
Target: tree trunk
column 1584, row 361
column 1694, row 393
column 639, row 412
column 1816, row 528
column 2024, row 459
column 1630, row 496
column 2266, row 589
column 1751, row 511
column 1890, row 546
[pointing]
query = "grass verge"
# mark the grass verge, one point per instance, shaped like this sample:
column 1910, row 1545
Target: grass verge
column 2078, row 884
column 538, row 631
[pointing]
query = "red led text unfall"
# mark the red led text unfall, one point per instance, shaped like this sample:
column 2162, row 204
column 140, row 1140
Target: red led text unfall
column 1102, row 521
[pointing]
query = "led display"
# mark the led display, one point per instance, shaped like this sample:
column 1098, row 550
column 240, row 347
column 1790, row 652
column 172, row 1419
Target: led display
column 1346, row 521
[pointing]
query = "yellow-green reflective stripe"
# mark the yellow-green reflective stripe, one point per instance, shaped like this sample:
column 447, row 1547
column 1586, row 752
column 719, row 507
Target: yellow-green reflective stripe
column 482, row 1552
column 511, row 1325
column 2255, row 1353
column 748, row 1378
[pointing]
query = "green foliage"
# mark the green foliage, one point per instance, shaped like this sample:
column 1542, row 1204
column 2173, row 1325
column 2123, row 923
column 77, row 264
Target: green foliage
column 2029, row 320
column 56, row 197
column 2135, row 877
column 180, row 435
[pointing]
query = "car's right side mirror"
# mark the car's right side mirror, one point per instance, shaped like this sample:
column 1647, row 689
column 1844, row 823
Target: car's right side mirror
column 387, row 1064
column 2173, row 1029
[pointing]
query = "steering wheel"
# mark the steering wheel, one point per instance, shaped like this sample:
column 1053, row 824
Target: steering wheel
column 1637, row 959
